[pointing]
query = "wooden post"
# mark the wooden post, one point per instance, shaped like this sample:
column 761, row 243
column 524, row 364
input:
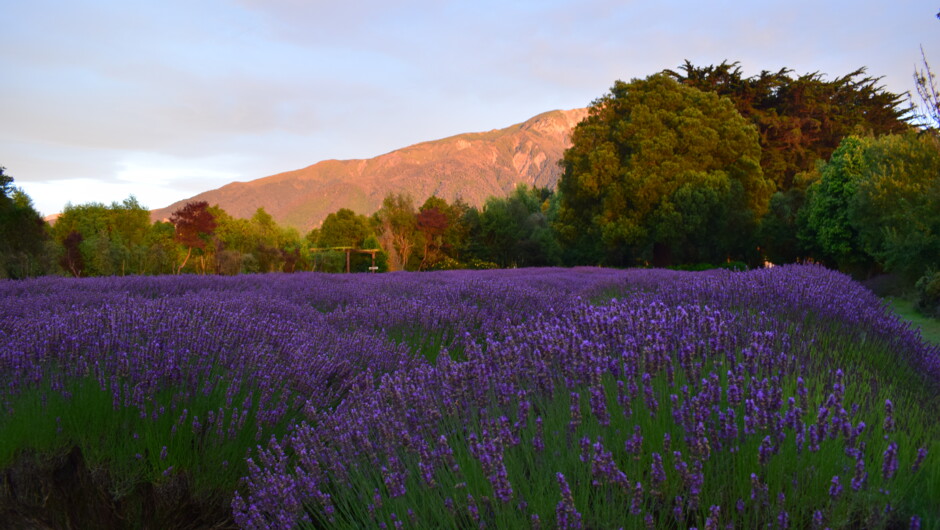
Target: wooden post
column 348, row 252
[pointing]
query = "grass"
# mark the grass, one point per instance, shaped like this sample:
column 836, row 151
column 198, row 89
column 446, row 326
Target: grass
column 133, row 447
column 929, row 327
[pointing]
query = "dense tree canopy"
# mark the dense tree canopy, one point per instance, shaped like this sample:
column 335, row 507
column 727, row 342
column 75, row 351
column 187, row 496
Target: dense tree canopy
column 877, row 202
column 22, row 231
column 397, row 229
column 344, row 228
column 827, row 228
column 659, row 171
column 110, row 239
column 897, row 206
column 517, row 231
column 801, row 119
column 194, row 227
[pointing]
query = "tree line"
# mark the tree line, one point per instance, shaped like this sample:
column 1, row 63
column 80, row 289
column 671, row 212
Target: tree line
column 694, row 167
column 96, row 239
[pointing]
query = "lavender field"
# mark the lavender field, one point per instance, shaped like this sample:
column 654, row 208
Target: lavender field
column 534, row 398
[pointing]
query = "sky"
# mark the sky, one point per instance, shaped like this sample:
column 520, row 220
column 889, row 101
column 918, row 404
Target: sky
column 100, row 100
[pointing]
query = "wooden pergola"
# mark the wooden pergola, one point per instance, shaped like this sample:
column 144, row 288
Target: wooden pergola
column 349, row 251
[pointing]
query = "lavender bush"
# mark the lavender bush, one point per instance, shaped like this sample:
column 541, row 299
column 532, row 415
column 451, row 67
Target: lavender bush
column 581, row 398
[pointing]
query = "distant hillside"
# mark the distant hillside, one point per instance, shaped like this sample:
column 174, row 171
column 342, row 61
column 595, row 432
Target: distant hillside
column 472, row 166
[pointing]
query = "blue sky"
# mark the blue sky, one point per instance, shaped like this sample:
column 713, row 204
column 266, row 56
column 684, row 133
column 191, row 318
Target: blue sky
column 103, row 99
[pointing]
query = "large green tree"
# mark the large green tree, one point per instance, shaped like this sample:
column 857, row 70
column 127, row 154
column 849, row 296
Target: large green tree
column 801, row 118
column 661, row 172
column 825, row 225
column 22, row 232
column 396, row 226
column 112, row 239
column 344, row 228
column 516, row 231
column 897, row 206
column 877, row 206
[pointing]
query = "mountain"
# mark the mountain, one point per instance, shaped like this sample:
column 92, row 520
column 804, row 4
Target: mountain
column 472, row 166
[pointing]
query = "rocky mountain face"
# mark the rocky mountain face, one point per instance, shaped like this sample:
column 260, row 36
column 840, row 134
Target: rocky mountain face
column 472, row 166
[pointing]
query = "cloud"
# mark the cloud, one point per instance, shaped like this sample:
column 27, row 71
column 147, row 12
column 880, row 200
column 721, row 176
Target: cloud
column 103, row 89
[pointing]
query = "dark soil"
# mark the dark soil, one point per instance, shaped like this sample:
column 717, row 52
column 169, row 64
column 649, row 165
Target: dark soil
column 61, row 492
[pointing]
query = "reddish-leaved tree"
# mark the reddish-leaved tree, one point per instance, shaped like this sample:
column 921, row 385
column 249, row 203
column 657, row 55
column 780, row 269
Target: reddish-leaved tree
column 194, row 224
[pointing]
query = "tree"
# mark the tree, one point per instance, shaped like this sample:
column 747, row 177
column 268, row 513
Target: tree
column 113, row 238
column 827, row 229
column 433, row 221
column 661, row 171
column 162, row 249
column 877, row 204
column 344, row 228
column 194, row 225
column 926, row 86
column 396, row 227
column 72, row 259
column 896, row 206
column 801, row 119
column 517, row 231
column 778, row 233
column 22, row 232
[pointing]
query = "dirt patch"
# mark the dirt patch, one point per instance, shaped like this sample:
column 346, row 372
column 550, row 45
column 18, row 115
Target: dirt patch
column 61, row 492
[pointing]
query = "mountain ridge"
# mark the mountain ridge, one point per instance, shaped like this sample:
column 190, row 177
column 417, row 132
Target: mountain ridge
column 472, row 166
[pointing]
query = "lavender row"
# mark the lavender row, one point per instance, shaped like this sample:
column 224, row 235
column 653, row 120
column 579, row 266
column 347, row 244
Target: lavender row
column 676, row 375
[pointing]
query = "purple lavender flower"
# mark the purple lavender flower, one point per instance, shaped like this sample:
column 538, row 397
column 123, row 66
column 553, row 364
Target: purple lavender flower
column 858, row 480
column 714, row 517
column 890, row 463
column 658, row 473
column 921, row 455
column 677, row 511
column 648, row 396
column 888, row 424
column 836, row 488
column 818, row 519
column 575, row 409
column 634, row 444
column 765, row 451
column 472, row 508
column 538, row 441
column 565, row 513
column 636, row 506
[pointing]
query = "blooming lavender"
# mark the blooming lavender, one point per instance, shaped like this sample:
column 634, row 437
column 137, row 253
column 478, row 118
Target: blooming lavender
column 459, row 393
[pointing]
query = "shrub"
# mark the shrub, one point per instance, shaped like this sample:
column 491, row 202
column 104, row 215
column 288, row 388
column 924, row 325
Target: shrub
column 928, row 294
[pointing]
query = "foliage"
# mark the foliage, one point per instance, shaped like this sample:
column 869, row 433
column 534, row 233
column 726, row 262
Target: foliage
column 434, row 221
column 396, row 226
column 22, row 232
column 896, row 208
column 661, row 172
column 877, row 201
column 779, row 228
column 194, row 226
column 516, row 231
column 827, row 227
column 344, row 228
column 114, row 239
column 801, row 119
column 928, row 294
